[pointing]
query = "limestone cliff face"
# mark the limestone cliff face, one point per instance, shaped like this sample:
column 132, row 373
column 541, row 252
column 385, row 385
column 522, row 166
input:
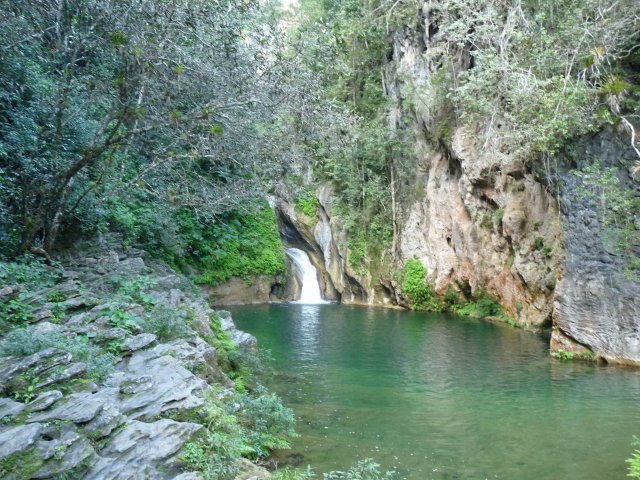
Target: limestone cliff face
column 474, row 221
column 537, row 245
column 597, row 301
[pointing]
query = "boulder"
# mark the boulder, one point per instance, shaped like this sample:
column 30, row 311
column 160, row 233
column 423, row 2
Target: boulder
column 38, row 364
column 142, row 450
column 9, row 408
column 18, row 439
column 62, row 454
column 78, row 408
column 44, row 401
column 138, row 342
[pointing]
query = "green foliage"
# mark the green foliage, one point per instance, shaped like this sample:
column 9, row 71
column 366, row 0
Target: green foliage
column 137, row 290
column 124, row 319
column 105, row 126
column 481, row 306
column 634, row 461
column 15, row 312
column 561, row 354
column 29, row 392
column 239, row 425
column 498, row 215
column 269, row 423
column 29, row 271
column 364, row 470
column 168, row 324
column 414, row 284
column 21, row 464
column 307, row 203
column 55, row 296
column 27, row 341
column 241, row 245
column 524, row 71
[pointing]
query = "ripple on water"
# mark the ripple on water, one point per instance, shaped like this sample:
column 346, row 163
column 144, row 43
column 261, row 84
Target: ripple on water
column 443, row 397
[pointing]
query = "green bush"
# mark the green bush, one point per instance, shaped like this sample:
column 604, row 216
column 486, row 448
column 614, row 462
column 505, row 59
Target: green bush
column 137, row 290
column 269, row 424
column 634, row 461
column 420, row 294
column 365, row 469
column 246, row 425
column 167, row 324
column 482, row 305
column 239, row 245
column 307, row 203
column 29, row 271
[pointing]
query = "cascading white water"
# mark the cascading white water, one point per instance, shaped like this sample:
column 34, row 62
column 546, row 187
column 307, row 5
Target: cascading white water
column 310, row 292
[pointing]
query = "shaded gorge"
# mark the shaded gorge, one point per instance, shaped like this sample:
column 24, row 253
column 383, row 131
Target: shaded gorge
column 436, row 396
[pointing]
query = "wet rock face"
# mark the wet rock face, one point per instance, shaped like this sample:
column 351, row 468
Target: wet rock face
column 597, row 304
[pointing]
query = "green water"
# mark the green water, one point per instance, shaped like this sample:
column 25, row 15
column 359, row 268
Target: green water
column 442, row 397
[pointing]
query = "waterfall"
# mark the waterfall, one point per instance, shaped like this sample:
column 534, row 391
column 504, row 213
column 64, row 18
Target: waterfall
column 310, row 292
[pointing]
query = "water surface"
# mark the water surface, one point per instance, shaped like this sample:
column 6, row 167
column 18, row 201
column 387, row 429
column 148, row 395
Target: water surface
column 442, row 397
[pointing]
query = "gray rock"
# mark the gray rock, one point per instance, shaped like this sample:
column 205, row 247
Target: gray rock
column 596, row 304
column 241, row 338
column 9, row 408
column 115, row 333
column 132, row 266
column 44, row 401
column 79, row 302
column 140, row 448
column 63, row 454
column 39, row 363
column 155, row 384
column 138, row 342
column 8, row 290
column 195, row 355
column 249, row 471
column 72, row 371
column 17, row 439
column 78, row 408
column 106, row 422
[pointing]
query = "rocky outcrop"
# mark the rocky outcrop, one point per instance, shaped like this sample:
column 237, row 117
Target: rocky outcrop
column 135, row 422
column 597, row 301
column 474, row 221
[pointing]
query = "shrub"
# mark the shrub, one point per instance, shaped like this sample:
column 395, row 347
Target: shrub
column 167, row 324
column 420, row 294
column 269, row 424
column 237, row 425
column 28, row 270
column 365, row 469
column 307, row 203
column 137, row 290
column 634, row 461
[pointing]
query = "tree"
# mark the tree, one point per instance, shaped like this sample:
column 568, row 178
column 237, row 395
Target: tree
column 100, row 99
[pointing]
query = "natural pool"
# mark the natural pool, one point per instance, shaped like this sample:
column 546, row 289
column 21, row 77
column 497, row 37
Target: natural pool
column 442, row 397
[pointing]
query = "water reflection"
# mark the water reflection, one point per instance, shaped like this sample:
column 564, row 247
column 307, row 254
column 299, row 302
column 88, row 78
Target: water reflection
column 306, row 332
column 443, row 397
